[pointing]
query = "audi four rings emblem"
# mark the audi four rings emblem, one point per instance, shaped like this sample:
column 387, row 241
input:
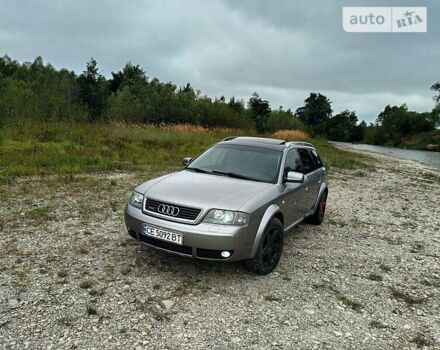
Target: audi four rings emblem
column 168, row 209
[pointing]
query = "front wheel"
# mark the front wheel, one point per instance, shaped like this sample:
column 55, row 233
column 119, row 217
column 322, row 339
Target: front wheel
column 269, row 250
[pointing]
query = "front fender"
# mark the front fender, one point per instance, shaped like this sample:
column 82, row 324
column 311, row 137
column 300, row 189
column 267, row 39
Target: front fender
column 268, row 215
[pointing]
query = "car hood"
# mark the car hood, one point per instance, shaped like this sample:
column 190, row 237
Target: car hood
column 203, row 190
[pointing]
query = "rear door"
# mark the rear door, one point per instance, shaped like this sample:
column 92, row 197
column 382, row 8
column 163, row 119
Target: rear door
column 312, row 178
column 319, row 169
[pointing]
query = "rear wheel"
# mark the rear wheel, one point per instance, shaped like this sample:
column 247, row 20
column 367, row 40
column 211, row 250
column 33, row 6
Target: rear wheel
column 318, row 216
column 269, row 251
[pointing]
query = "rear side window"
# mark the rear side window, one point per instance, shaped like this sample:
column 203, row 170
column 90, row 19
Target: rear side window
column 316, row 160
column 293, row 163
column 306, row 159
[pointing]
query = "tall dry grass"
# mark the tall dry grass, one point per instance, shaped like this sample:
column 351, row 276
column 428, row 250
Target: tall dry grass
column 179, row 128
column 291, row 135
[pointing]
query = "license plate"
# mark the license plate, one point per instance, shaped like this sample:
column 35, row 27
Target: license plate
column 156, row 232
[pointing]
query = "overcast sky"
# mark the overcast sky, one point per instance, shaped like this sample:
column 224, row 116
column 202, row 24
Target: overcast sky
column 281, row 49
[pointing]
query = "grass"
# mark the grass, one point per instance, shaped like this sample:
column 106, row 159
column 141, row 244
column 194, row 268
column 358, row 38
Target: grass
column 337, row 158
column 67, row 148
column 354, row 305
column 291, row 135
column 85, row 210
column 407, row 298
column 40, row 214
column 86, row 284
column 385, row 267
column 62, row 273
column 377, row 324
column 115, row 206
column 82, row 249
column 96, row 292
column 420, row 340
column 360, row 173
column 431, row 283
column 125, row 270
column 375, row 277
column 271, row 298
column 66, row 321
column 91, row 310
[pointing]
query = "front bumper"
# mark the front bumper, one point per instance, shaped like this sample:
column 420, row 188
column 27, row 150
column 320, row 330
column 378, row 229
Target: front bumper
column 202, row 241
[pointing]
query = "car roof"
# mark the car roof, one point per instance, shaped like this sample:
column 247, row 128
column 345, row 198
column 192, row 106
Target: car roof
column 263, row 142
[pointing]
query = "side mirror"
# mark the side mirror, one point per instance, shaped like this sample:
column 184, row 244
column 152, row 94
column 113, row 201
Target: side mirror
column 293, row 176
column 186, row 161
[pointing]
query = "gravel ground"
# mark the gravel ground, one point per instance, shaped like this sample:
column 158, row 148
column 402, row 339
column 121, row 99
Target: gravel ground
column 367, row 278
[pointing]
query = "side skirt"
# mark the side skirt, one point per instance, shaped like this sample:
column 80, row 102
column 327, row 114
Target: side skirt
column 294, row 224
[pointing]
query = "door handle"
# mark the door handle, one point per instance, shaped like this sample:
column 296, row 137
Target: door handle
column 307, row 188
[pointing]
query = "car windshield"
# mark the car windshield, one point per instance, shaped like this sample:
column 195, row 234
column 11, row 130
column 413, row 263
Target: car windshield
column 243, row 162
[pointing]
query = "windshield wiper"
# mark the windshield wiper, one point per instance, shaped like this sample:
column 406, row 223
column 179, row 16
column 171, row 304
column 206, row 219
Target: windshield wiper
column 225, row 173
column 235, row 175
column 199, row 170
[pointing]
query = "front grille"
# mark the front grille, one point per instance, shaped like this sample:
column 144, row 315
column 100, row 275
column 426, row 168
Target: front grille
column 186, row 213
column 183, row 249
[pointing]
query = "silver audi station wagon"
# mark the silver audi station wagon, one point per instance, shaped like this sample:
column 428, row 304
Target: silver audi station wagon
column 235, row 201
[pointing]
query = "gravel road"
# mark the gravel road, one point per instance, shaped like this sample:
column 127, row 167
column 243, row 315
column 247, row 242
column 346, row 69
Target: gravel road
column 367, row 278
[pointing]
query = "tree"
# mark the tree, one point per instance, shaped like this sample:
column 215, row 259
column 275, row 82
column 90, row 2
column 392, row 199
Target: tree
column 436, row 111
column 283, row 120
column 358, row 133
column 185, row 104
column 396, row 122
column 259, row 110
column 131, row 75
column 125, row 106
column 8, row 67
column 343, row 127
column 92, row 90
column 236, row 105
column 374, row 135
column 316, row 111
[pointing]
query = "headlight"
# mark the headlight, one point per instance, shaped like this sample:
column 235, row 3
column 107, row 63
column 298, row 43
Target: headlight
column 227, row 217
column 136, row 199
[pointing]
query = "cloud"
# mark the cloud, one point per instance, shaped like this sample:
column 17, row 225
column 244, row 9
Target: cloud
column 283, row 50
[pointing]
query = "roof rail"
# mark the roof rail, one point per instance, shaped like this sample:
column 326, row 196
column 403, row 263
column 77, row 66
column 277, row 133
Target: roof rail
column 229, row 138
column 299, row 143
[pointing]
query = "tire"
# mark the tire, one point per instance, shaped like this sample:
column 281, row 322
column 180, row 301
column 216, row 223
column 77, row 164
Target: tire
column 318, row 216
column 269, row 250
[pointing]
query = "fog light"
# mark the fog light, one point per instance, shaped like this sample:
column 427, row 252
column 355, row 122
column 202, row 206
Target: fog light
column 225, row 254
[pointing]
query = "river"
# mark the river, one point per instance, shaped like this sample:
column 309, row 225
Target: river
column 426, row 157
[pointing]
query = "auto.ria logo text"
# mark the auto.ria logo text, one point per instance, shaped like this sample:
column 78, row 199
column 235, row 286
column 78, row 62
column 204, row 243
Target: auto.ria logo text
column 384, row 19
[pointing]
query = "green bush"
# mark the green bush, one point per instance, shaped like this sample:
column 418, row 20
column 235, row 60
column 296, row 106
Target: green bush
column 284, row 120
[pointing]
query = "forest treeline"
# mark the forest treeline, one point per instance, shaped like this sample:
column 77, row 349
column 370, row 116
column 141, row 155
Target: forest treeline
column 37, row 91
